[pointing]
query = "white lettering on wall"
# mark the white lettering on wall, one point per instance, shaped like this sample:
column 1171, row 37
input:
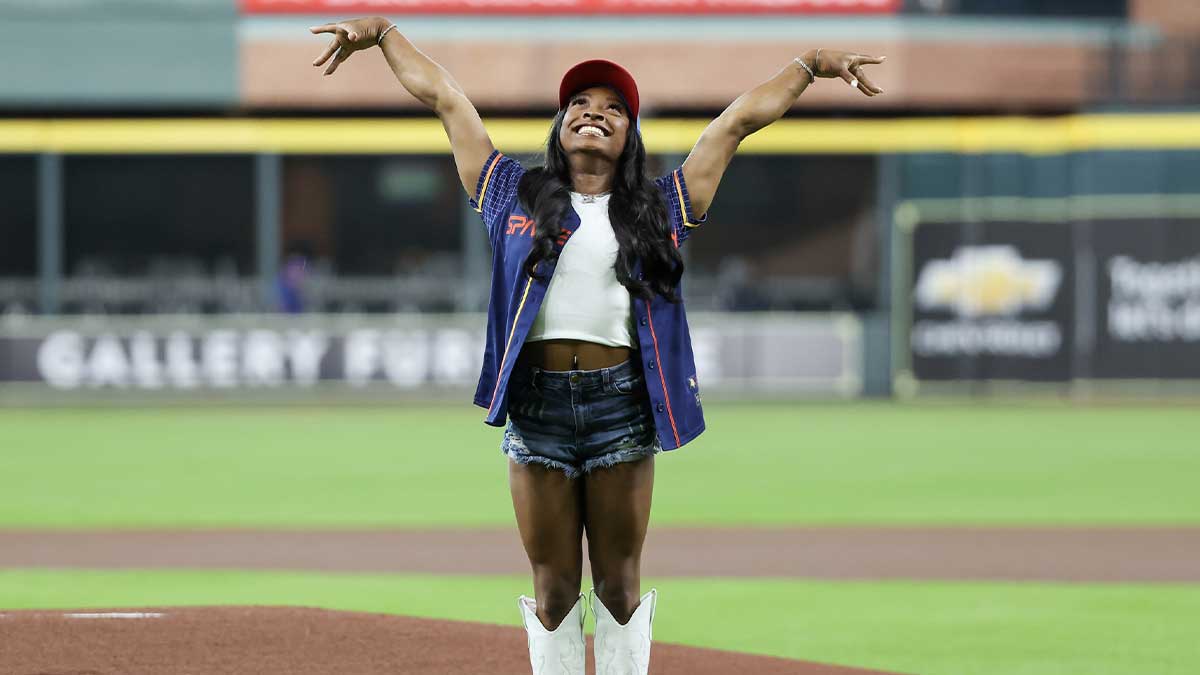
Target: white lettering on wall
column 143, row 352
column 259, row 357
column 361, row 356
column 1155, row 301
column 107, row 364
column 406, row 357
column 453, row 356
column 182, row 370
column 60, row 359
column 219, row 351
column 263, row 359
column 1036, row 339
column 305, row 351
column 706, row 348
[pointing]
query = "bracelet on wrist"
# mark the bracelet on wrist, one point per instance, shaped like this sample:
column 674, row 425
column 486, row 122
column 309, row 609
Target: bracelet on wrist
column 385, row 32
column 804, row 65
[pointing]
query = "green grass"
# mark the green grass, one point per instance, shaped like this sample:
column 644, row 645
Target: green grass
column 765, row 464
column 928, row 628
column 859, row 463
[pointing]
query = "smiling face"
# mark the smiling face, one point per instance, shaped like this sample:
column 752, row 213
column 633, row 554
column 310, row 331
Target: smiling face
column 595, row 122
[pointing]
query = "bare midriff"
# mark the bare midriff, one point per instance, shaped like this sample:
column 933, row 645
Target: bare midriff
column 559, row 354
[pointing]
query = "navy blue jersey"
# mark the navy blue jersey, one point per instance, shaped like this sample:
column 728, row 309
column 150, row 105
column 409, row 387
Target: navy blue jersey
column 665, row 343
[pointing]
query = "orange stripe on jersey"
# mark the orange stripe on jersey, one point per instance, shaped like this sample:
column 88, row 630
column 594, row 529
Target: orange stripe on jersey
column 487, row 177
column 679, row 191
column 662, row 378
column 513, row 331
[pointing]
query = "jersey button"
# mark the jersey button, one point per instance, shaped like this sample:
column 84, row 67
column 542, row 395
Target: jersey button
column 651, row 364
column 642, row 321
column 660, row 407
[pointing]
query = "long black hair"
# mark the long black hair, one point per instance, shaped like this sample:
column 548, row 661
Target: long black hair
column 636, row 210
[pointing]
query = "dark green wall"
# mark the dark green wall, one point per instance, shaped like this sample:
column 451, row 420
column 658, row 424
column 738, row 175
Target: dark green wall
column 119, row 54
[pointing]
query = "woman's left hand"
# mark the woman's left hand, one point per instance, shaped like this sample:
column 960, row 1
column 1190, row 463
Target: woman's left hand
column 348, row 37
column 846, row 65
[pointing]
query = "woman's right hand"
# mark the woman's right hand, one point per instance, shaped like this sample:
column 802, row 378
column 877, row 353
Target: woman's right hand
column 348, row 37
column 846, row 65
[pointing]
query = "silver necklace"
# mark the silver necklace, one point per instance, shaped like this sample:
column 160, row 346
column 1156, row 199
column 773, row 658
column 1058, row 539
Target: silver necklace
column 591, row 199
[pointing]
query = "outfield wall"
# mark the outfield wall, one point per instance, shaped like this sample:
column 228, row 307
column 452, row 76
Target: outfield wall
column 274, row 358
column 1077, row 272
column 1049, row 251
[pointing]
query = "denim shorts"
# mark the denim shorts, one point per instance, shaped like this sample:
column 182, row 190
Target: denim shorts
column 579, row 420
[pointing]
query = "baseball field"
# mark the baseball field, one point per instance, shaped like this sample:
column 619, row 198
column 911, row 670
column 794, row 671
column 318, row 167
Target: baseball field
column 1007, row 538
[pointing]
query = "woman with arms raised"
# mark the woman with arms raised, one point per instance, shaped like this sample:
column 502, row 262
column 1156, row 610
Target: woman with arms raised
column 588, row 354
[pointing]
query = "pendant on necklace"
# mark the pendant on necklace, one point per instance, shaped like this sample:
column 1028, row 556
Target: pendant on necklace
column 589, row 199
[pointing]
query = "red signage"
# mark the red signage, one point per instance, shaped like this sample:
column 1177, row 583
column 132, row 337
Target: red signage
column 357, row 7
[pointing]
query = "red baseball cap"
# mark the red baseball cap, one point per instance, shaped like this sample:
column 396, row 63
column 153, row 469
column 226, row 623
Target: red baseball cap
column 599, row 72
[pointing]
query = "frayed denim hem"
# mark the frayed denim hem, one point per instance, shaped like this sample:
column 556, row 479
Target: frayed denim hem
column 513, row 446
column 524, row 458
column 615, row 457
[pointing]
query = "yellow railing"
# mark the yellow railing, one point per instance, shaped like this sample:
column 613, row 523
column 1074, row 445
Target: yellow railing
column 425, row 135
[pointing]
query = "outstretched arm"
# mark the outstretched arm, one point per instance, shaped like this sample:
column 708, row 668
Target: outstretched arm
column 759, row 107
column 424, row 79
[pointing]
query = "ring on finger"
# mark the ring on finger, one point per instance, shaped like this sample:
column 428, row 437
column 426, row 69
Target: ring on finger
column 854, row 84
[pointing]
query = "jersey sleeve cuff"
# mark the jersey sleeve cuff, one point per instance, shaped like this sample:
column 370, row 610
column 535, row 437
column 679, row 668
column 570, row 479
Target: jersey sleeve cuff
column 485, row 176
column 685, row 202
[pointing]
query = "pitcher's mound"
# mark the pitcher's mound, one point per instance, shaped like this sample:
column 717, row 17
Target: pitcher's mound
column 301, row 641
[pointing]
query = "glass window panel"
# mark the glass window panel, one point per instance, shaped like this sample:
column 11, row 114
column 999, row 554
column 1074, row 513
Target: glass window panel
column 378, row 233
column 18, row 216
column 375, row 216
column 789, row 232
column 159, row 216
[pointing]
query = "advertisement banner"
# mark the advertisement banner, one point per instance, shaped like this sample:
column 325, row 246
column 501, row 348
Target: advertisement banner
column 744, row 353
column 392, row 7
column 992, row 301
column 1148, row 297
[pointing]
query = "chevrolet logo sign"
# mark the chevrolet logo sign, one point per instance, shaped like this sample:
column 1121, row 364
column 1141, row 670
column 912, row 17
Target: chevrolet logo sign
column 987, row 281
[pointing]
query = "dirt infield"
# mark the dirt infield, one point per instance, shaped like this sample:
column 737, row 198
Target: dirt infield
column 278, row 641
column 1050, row 554
column 303, row 641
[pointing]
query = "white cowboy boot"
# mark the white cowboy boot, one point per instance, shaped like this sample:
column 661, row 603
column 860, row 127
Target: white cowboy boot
column 561, row 651
column 624, row 650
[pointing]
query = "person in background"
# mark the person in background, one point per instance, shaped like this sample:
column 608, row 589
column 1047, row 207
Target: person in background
column 289, row 285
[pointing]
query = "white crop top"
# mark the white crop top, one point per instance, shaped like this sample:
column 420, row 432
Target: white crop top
column 584, row 300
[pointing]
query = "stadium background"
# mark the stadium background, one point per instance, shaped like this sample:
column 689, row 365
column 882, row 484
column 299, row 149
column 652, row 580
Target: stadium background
column 237, row 295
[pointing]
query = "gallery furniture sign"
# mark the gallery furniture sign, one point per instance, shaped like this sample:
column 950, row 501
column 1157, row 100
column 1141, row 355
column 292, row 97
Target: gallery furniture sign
column 772, row 353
